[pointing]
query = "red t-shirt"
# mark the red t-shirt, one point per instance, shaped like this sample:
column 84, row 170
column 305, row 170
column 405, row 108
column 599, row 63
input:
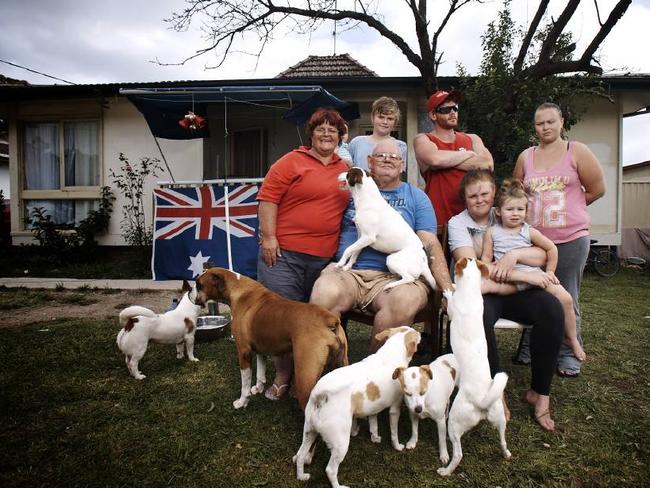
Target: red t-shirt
column 310, row 203
column 442, row 184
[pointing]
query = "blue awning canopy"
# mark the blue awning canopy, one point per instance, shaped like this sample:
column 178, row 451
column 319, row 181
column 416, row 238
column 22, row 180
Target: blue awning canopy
column 163, row 108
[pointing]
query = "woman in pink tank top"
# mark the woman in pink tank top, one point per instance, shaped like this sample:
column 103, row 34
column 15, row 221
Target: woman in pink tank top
column 562, row 179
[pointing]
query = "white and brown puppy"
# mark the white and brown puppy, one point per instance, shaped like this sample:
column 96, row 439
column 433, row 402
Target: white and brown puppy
column 427, row 390
column 381, row 227
column 361, row 389
column 141, row 325
column 479, row 395
column 265, row 323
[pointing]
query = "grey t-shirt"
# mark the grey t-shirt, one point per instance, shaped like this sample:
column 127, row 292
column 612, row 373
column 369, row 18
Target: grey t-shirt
column 463, row 231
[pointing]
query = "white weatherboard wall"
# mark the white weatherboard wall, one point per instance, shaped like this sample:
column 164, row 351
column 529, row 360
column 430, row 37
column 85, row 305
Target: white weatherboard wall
column 600, row 129
column 126, row 131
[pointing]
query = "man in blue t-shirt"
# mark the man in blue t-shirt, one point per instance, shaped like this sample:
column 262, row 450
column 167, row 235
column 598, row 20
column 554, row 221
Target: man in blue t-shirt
column 362, row 287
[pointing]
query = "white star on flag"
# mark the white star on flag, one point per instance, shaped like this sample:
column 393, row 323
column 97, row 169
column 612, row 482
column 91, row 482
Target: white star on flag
column 197, row 262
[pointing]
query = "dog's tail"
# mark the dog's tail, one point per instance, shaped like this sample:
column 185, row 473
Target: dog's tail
column 134, row 311
column 495, row 392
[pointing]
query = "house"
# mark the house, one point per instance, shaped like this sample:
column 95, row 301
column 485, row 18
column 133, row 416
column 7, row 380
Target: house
column 52, row 125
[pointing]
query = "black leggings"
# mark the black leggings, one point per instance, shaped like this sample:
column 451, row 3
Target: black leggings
column 541, row 310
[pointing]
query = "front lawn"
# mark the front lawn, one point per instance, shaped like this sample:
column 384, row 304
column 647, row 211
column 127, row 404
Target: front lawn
column 72, row 417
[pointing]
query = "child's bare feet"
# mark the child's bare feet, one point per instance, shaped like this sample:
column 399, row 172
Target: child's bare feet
column 542, row 412
column 577, row 349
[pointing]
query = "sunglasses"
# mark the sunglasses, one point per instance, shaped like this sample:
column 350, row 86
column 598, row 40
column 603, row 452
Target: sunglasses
column 385, row 156
column 448, row 109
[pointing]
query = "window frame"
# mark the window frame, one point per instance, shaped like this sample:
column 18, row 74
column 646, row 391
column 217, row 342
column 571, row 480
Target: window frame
column 64, row 192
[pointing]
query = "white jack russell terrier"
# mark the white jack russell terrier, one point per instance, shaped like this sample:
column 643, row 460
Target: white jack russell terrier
column 381, row 227
column 361, row 389
column 141, row 325
column 479, row 395
column 427, row 390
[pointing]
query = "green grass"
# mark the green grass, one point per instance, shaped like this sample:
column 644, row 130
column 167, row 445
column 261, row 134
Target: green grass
column 71, row 416
column 15, row 298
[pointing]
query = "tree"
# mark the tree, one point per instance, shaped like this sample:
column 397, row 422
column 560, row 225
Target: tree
column 225, row 21
column 498, row 103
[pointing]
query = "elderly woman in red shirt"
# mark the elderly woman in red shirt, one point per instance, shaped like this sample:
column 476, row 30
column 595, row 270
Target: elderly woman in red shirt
column 300, row 213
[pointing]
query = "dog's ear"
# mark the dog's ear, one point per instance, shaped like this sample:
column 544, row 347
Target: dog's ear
column 411, row 341
column 485, row 271
column 425, row 369
column 460, row 266
column 219, row 284
column 384, row 334
column 186, row 286
column 398, row 372
column 355, row 176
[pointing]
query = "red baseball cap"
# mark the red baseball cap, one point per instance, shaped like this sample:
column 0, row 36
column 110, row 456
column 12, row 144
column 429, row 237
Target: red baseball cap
column 440, row 97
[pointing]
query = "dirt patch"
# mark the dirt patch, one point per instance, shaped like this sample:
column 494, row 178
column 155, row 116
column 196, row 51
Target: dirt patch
column 104, row 306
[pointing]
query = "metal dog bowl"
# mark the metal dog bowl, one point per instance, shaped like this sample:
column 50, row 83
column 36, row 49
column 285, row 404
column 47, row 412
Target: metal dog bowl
column 210, row 327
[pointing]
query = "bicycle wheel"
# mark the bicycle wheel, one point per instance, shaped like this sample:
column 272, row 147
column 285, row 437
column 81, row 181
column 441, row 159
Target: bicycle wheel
column 606, row 262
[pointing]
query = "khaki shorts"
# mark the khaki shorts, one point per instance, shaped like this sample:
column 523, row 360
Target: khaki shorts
column 365, row 284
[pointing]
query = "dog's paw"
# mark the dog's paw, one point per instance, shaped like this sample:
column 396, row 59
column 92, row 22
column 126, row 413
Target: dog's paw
column 179, row 355
column 304, row 477
column 240, row 403
column 397, row 446
column 194, row 360
column 355, row 431
column 139, row 376
column 411, row 444
column 444, row 457
column 507, row 454
column 340, row 264
column 347, row 267
column 375, row 438
column 257, row 388
column 444, row 472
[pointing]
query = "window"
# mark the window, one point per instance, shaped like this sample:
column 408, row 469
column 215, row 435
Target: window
column 248, row 156
column 61, row 169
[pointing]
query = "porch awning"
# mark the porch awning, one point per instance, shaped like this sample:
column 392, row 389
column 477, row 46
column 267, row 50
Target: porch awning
column 163, row 108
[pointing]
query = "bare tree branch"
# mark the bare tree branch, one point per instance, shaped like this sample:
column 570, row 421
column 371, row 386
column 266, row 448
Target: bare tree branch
column 558, row 27
column 534, row 25
column 546, row 67
column 225, row 22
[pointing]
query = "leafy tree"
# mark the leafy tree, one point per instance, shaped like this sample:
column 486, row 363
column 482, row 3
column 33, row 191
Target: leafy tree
column 224, row 22
column 500, row 102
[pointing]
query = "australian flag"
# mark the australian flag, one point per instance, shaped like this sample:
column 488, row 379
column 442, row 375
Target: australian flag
column 190, row 230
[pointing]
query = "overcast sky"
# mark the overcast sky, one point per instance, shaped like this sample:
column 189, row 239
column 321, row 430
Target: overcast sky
column 115, row 41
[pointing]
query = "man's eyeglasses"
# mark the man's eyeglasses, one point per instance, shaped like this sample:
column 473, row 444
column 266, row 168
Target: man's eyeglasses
column 326, row 130
column 381, row 157
column 448, row 109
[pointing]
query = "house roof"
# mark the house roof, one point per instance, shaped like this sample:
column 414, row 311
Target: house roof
column 341, row 65
column 16, row 93
column 642, row 164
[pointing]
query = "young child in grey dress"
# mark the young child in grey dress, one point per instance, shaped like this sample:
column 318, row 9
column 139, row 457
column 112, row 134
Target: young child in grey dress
column 512, row 232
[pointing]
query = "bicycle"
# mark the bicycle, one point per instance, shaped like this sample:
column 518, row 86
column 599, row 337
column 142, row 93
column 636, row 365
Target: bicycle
column 603, row 260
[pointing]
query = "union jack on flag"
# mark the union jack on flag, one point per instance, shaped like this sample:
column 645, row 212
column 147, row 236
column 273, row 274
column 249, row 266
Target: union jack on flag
column 190, row 229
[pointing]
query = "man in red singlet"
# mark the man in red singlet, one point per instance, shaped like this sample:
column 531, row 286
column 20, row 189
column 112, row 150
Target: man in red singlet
column 444, row 155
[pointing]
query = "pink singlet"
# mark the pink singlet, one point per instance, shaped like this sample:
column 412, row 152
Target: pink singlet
column 556, row 205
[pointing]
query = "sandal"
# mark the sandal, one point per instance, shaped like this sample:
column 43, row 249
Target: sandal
column 567, row 373
column 275, row 392
column 542, row 415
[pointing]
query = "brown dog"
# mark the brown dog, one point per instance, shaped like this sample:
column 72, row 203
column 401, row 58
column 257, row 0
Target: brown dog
column 265, row 323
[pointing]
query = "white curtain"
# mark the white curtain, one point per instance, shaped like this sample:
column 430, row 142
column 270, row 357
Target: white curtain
column 81, row 153
column 41, row 151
